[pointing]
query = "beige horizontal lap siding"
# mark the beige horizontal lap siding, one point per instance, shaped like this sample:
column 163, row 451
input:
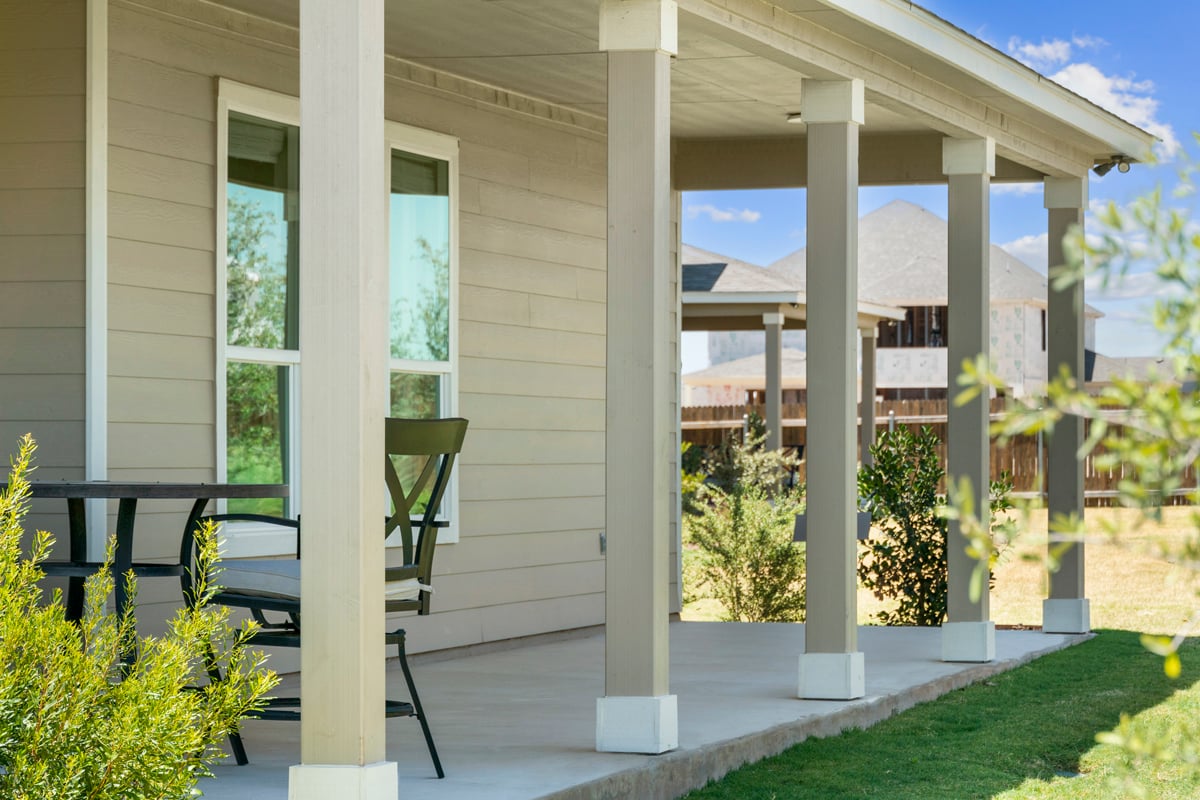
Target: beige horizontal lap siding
column 162, row 281
column 531, row 307
column 531, row 378
column 42, row 177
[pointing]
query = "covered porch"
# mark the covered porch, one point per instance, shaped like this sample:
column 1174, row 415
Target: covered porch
column 555, row 140
column 517, row 721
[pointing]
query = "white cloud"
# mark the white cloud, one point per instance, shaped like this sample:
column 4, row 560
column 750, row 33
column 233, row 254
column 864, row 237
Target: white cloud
column 1018, row 189
column 1130, row 99
column 1032, row 249
column 724, row 214
column 1040, row 56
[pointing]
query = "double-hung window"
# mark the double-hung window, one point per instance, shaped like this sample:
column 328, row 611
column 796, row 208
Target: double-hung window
column 258, row 267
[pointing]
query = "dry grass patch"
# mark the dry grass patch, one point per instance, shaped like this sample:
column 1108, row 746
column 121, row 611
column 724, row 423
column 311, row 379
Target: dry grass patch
column 1130, row 585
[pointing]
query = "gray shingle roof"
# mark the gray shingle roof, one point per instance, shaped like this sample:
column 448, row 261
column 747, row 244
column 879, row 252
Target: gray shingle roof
column 751, row 369
column 711, row 272
column 902, row 261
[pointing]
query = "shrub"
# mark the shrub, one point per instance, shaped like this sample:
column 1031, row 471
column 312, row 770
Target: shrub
column 691, row 476
column 908, row 563
column 734, row 463
column 77, row 722
column 747, row 559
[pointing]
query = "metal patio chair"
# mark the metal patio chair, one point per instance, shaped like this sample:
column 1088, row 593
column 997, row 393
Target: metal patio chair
column 420, row 457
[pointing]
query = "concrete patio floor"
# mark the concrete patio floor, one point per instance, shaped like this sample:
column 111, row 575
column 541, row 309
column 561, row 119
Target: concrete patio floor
column 520, row 722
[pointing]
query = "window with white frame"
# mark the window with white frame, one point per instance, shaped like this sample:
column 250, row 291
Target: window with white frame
column 258, row 295
column 423, row 275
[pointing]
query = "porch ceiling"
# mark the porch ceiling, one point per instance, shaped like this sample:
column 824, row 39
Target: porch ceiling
column 741, row 62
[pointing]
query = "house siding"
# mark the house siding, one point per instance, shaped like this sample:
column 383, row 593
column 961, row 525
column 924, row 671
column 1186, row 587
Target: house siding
column 42, row 175
column 532, row 230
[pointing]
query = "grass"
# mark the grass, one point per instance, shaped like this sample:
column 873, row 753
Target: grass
column 1009, row 737
column 1028, row 734
column 1130, row 586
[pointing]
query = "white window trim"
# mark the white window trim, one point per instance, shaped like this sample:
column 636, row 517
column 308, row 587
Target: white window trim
column 435, row 145
column 251, row 540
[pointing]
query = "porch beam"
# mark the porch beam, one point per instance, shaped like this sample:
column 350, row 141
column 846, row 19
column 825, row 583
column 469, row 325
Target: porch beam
column 968, row 635
column 832, row 667
column 885, row 159
column 637, row 713
column 773, row 326
column 799, row 44
column 343, row 390
column 1067, row 609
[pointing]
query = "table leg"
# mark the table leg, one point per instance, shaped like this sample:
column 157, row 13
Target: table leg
column 77, row 514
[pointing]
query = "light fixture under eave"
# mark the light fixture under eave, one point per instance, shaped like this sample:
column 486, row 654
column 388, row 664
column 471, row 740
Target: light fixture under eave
column 795, row 117
column 1122, row 163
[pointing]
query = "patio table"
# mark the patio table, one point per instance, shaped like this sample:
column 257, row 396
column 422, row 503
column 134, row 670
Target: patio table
column 77, row 568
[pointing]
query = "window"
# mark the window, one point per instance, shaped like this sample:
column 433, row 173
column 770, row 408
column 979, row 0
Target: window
column 258, row 268
column 422, row 216
column 262, row 350
column 923, row 326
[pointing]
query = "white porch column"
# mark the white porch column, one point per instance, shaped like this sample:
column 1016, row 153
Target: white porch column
column 343, row 391
column 96, row 270
column 1066, row 610
column 969, row 634
column 832, row 667
column 867, row 401
column 637, row 714
column 773, row 325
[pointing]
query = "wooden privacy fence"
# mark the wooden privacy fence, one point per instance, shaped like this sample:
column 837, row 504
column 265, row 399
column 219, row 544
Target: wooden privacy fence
column 1023, row 457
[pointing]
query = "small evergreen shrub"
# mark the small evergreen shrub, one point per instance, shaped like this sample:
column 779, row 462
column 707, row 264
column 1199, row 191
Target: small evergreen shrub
column 908, row 563
column 747, row 559
column 77, row 722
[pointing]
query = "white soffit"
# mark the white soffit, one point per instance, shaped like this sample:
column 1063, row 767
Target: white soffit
column 741, row 61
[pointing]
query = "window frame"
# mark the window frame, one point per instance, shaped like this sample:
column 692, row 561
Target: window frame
column 246, row 540
column 418, row 141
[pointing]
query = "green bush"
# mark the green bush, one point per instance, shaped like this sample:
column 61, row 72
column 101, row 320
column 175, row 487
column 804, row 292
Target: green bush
column 77, row 722
column 691, row 477
column 747, row 559
column 734, row 463
column 908, row 563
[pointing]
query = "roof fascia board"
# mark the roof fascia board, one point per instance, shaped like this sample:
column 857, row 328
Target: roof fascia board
column 941, row 39
column 764, row 29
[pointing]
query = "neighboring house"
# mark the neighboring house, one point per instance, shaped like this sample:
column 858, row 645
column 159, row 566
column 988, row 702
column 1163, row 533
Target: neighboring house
column 195, row 273
column 902, row 261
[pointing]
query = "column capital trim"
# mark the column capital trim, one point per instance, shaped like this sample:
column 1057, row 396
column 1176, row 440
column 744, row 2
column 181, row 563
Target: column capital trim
column 639, row 25
column 969, row 156
column 832, row 101
column 772, row 318
column 1066, row 192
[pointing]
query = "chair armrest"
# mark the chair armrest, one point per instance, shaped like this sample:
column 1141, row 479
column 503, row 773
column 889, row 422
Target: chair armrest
column 400, row 573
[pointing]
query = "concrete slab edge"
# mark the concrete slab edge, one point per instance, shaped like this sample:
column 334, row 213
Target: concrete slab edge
column 671, row 775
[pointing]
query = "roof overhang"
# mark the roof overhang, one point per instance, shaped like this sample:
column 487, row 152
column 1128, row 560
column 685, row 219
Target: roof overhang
column 737, row 77
column 743, row 311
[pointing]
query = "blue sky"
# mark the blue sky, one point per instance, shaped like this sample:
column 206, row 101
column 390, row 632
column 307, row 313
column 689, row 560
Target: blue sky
column 1137, row 60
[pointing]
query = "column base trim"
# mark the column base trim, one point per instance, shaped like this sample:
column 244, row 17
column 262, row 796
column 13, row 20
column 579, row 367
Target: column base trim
column 1069, row 615
column 647, row 725
column 832, row 676
column 378, row 781
column 969, row 641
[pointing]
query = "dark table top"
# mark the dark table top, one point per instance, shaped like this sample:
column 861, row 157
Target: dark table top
column 152, row 490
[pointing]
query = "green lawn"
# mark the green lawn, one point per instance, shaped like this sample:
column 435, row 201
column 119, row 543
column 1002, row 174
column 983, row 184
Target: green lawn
column 1011, row 737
